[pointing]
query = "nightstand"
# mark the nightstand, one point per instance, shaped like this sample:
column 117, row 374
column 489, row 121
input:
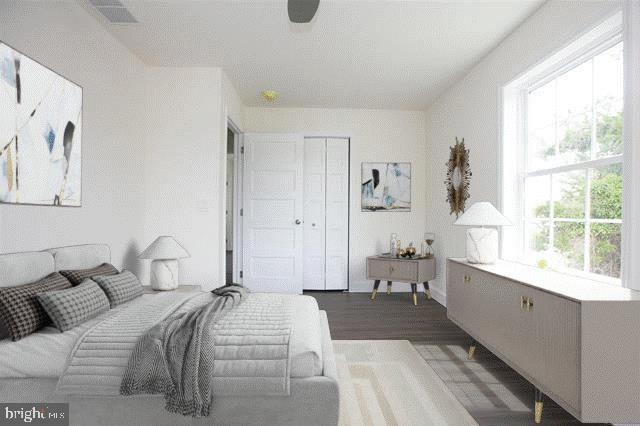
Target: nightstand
column 405, row 270
column 180, row 289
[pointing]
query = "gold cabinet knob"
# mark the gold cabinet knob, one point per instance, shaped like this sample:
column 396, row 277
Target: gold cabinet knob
column 391, row 269
column 529, row 304
column 467, row 279
column 523, row 302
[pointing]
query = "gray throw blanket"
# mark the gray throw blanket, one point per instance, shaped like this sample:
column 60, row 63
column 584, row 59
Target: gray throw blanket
column 175, row 358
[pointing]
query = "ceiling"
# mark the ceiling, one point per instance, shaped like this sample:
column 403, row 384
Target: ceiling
column 383, row 54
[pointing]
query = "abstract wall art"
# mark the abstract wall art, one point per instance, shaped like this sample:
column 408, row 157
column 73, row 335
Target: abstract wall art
column 386, row 187
column 40, row 133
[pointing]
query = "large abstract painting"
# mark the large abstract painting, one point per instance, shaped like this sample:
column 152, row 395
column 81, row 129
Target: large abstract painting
column 40, row 133
column 386, row 187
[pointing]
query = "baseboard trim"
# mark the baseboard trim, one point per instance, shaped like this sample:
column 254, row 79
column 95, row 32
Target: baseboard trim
column 439, row 296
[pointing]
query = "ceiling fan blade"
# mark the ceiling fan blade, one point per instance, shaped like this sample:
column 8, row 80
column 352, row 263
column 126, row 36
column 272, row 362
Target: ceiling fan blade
column 302, row 11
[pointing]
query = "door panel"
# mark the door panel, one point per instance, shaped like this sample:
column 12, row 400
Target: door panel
column 273, row 202
column 314, row 214
column 556, row 334
column 337, row 214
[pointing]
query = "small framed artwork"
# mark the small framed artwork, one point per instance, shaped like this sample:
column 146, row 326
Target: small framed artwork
column 386, row 187
column 40, row 133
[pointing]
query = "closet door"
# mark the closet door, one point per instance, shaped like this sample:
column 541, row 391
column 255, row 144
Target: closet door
column 337, row 214
column 314, row 213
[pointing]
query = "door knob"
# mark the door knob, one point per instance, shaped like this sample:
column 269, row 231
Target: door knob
column 298, row 221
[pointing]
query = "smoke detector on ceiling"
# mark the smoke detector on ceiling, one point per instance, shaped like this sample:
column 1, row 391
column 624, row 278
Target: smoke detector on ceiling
column 114, row 11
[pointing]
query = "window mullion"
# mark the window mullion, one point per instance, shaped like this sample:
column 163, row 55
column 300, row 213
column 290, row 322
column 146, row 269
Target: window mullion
column 552, row 212
column 555, row 117
column 587, row 221
column 588, row 174
column 594, row 130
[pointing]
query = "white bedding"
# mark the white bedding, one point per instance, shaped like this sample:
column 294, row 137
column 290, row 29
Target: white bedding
column 44, row 354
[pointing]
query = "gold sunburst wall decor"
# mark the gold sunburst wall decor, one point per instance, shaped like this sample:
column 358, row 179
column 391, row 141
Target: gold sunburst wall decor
column 458, row 177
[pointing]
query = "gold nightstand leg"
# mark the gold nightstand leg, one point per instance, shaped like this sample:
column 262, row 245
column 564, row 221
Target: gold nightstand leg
column 427, row 290
column 537, row 407
column 414, row 293
column 472, row 350
column 376, row 284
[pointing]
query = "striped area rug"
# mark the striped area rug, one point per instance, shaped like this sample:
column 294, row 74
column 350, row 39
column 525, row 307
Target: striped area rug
column 386, row 382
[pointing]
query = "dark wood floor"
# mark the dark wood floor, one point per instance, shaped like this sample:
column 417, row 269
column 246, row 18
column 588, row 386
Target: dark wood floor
column 489, row 389
column 229, row 268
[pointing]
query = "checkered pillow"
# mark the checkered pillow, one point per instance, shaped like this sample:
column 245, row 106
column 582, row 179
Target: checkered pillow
column 71, row 307
column 76, row 276
column 120, row 288
column 19, row 307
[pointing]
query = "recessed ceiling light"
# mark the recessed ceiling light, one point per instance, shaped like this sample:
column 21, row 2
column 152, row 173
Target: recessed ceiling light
column 270, row 95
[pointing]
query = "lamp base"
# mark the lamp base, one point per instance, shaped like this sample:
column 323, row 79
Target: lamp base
column 482, row 245
column 164, row 274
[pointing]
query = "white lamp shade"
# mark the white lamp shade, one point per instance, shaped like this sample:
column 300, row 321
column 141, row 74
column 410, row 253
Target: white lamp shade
column 164, row 247
column 482, row 214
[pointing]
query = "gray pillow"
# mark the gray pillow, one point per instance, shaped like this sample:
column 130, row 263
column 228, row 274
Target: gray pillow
column 71, row 307
column 4, row 332
column 19, row 308
column 77, row 276
column 120, row 288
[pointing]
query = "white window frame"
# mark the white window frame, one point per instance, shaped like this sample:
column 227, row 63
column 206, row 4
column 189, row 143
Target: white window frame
column 515, row 148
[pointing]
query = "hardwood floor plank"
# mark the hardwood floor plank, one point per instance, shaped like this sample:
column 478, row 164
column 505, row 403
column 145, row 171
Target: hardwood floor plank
column 492, row 392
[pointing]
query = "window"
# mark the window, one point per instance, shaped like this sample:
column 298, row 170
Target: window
column 569, row 162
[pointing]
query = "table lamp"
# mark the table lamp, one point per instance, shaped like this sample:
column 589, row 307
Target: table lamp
column 482, row 243
column 165, row 252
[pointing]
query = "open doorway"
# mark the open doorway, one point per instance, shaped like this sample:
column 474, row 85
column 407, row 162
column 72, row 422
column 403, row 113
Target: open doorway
column 233, row 210
column 229, row 210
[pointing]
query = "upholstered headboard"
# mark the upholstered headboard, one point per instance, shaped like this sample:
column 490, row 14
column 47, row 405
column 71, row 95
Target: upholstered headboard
column 27, row 267
column 80, row 257
column 24, row 268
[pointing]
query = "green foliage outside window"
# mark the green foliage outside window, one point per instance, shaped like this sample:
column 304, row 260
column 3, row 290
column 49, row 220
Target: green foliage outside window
column 606, row 199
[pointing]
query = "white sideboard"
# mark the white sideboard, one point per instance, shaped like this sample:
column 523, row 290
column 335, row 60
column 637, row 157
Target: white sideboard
column 576, row 340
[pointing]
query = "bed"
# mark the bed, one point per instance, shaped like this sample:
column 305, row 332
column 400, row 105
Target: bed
column 30, row 369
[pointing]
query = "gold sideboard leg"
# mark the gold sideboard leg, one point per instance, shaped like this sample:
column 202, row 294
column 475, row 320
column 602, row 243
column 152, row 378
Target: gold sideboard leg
column 537, row 408
column 376, row 284
column 472, row 350
column 388, row 287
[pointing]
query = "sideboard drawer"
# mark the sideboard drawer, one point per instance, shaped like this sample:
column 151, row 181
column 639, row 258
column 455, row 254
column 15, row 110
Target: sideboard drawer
column 392, row 270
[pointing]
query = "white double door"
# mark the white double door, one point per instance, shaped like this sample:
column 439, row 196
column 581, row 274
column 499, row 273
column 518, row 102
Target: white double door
column 326, row 214
column 281, row 173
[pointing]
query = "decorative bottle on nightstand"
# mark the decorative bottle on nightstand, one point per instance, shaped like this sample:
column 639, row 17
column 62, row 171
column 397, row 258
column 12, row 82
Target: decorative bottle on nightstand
column 392, row 247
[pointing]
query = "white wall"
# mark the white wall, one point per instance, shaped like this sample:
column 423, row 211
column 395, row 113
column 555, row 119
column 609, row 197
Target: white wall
column 231, row 102
column 182, row 166
column 376, row 135
column 154, row 146
column 472, row 109
column 63, row 37
column 232, row 109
